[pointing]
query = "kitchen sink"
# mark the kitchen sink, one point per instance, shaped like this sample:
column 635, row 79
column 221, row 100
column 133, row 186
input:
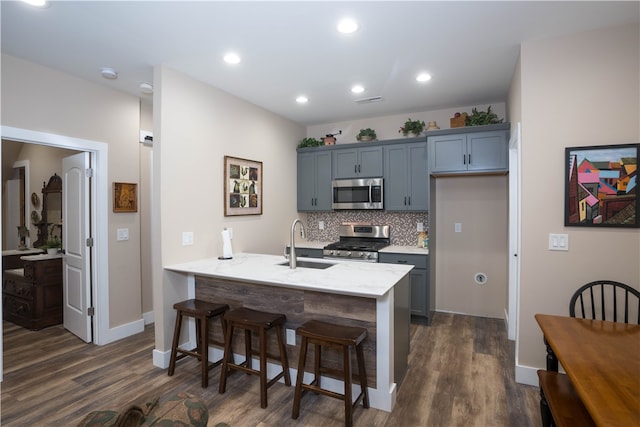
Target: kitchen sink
column 309, row 264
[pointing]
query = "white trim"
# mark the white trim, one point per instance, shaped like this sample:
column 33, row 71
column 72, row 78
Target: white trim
column 27, row 197
column 123, row 331
column 515, row 174
column 99, row 217
column 148, row 317
column 527, row 375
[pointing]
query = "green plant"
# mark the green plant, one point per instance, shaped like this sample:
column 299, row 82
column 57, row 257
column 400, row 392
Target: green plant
column 52, row 243
column 367, row 132
column 479, row 118
column 310, row 142
column 412, row 126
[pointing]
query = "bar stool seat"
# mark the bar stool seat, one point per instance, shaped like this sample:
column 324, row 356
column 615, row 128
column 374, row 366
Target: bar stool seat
column 202, row 312
column 260, row 322
column 324, row 334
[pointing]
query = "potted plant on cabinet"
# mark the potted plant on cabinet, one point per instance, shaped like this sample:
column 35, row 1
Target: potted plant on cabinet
column 52, row 245
column 310, row 142
column 479, row 118
column 414, row 127
column 367, row 134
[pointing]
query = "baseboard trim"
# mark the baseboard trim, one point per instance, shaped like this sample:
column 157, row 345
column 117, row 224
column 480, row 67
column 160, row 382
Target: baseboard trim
column 123, row 331
column 527, row 375
column 148, row 317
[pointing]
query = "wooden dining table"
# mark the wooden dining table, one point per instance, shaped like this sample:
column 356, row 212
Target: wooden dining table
column 602, row 360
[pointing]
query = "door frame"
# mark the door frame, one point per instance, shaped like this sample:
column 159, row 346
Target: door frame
column 99, row 217
column 514, row 233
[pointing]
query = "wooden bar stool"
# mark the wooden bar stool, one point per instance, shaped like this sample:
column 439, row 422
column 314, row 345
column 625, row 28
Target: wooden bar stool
column 323, row 334
column 202, row 312
column 260, row 322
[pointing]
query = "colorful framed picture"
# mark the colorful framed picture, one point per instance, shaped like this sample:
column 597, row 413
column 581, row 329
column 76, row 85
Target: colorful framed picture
column 242, row 187
column 125, row 197
column 601, row 186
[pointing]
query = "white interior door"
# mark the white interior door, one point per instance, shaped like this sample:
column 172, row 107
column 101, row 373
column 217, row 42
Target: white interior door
column 77, row 258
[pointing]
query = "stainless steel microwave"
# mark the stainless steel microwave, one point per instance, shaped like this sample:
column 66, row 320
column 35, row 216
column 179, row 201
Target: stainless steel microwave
column 363, row 193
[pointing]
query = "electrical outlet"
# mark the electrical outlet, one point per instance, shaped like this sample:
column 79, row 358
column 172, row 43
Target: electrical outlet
column 420, row 226
column 321, row 225
column 457, row 227
column 291, row 337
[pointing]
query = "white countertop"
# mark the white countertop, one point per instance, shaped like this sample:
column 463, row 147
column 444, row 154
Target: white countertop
column 414, row 250
column 344, row 277
column 40, row 257
column 28, row 251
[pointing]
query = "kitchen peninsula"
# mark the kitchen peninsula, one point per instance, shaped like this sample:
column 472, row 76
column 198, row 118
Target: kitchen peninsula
column 370, row 295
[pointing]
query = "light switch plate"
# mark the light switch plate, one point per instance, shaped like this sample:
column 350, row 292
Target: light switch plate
column 291, row 337
column 558, row 242
column 123, row 234
column 457, row 227
column 187, row 238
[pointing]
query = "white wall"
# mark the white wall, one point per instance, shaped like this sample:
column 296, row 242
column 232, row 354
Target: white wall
column 195, row 126
column 41, row 99
column 575, row 91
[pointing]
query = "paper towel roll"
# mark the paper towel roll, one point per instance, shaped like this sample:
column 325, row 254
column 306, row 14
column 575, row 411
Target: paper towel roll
column 226, row 244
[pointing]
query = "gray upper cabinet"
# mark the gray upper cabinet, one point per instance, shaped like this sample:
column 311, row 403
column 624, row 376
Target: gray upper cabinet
column 406, row 182
column 471, row 152
column 314, row 181
column 363, row 162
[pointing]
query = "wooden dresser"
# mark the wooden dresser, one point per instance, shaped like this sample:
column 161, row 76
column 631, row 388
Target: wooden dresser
column 32, row 296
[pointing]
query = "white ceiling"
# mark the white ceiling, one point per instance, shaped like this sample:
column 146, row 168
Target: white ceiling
column 292, row 48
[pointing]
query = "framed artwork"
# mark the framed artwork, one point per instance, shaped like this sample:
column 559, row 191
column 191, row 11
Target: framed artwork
column 601, row 186
column 125, row 197
column 242, row 187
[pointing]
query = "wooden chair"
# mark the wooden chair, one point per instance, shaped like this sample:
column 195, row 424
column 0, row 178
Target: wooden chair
column 202, row 312
column 346, row 338
column 560, row 404
column 259, row 322
column 606, row 300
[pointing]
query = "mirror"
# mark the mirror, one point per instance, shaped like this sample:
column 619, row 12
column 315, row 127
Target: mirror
column 50, row 225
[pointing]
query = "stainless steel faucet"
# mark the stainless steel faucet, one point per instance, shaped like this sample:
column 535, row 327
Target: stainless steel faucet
column 292, row 251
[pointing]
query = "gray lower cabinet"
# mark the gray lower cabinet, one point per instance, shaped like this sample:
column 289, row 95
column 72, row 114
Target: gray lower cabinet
column 314, row 181
column 469, row 152
column 419, row 281
column 363, row 162
column 406, row 181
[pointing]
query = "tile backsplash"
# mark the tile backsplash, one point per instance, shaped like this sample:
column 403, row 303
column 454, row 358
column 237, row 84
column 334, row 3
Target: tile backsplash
column 403, row 225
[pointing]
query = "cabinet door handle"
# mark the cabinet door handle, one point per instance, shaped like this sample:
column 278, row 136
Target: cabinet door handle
column 355, row 168
column 359, row 169
column 469, row 158
column 402, row 261
column 464, row 159
column 409, row 200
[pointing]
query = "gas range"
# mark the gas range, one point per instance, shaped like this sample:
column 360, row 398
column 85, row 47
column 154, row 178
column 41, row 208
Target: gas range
column 358, row 242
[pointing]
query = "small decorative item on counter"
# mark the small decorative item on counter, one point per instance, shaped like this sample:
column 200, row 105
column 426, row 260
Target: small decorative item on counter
column 310, row 142
column 458, row 120
column 422, row 236
column 367, row 134
column 433, row 126
column 414, row 127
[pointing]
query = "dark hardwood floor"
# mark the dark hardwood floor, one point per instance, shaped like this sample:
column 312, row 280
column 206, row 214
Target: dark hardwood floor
column 461, row 373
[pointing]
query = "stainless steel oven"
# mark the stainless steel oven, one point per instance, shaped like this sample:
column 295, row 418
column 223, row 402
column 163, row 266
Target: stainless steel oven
column 358, row 242
column 362, row 193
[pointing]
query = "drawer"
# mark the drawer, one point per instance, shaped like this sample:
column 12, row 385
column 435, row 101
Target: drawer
column 13, row 307
column 418, row 261
column 17, row 288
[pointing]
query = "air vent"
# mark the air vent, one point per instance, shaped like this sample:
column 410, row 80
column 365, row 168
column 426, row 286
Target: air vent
column 369, row 100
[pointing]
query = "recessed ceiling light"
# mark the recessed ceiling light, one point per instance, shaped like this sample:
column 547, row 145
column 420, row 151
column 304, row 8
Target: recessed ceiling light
column 423, row 77
column 146, row 88
column 302, row 99
column 232, row 58
column 36, row 3
column 109, row 73
column 357, row 89
column 347, row 26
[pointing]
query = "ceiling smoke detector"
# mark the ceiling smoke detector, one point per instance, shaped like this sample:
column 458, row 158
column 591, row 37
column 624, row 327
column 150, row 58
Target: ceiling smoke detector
column 109, row 73
column 146, row 88
column 369, row 100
